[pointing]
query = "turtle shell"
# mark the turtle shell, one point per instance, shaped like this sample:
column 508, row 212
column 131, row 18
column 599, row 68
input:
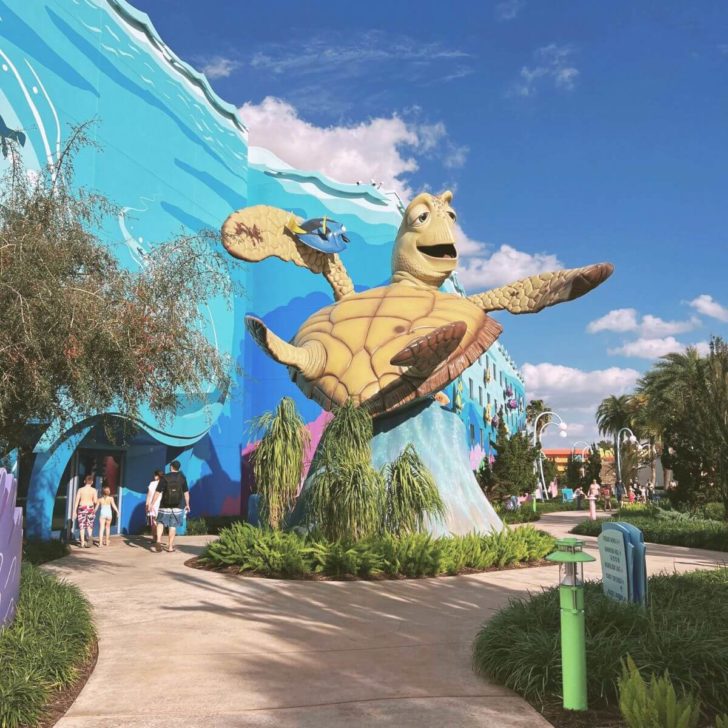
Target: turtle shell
column 362, row 332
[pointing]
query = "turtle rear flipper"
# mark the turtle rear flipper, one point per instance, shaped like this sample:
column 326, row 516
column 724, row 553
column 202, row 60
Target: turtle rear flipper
column 426, row 353
column 309, row 359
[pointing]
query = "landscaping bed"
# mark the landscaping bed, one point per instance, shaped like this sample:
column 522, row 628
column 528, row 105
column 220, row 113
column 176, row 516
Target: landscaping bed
column 668, row 528
column 246, row 550
column 46, row 653
column 684, row 630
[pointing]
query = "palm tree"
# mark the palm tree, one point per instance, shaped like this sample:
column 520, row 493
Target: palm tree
column 533, row 409
column 666, row 395
column 614, row 413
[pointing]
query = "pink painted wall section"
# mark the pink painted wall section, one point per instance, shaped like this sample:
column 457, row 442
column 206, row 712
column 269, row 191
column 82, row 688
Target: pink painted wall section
column 476, row 457
column 11, row 546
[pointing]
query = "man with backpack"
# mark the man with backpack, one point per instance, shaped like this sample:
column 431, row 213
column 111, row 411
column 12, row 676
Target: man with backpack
column 173, row 497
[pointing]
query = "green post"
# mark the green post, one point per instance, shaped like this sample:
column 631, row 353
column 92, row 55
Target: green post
column 571, row 558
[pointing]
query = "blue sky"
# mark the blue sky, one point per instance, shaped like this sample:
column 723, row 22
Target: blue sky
column 571, row 133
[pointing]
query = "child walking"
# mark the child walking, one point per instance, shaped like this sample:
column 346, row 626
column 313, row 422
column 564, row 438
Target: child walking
column 105, row 505
column 85, row 507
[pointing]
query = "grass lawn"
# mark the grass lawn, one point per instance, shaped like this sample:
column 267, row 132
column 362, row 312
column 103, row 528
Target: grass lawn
column 684, row 630
column 262, row 552
column 46, row 648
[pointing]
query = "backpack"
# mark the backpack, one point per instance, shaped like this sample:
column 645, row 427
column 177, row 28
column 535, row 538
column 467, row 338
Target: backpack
column 172, row 495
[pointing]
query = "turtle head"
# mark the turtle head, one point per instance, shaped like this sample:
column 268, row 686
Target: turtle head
column 425, row 246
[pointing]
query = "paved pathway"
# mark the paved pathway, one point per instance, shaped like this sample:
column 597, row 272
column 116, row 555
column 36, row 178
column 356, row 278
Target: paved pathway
column 195, row 648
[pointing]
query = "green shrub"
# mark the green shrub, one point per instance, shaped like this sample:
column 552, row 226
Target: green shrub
column 654, row 704
column 412, row 494
column 39, row 552
column 684, row 629
column 41, row 651
column 721, row 721
column 714, row 511
column 196, row 527
column 288, row 554
column 524, row 514
column 670, row 528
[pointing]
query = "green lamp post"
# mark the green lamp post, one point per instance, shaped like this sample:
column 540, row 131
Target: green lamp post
column 570, row 556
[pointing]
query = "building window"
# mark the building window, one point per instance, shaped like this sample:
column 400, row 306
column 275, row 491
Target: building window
column 482, row 440
column 480, row 396
column 495, row 373
column 472, row 434
column 487, row 394
column 472, row 396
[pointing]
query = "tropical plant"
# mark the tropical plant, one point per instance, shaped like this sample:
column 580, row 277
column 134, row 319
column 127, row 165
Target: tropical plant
column 345, row 500
column 345, row 495
column 278, row 460
column 80, row 335
column 286, row 553
column 654, row 704
column 412, row 494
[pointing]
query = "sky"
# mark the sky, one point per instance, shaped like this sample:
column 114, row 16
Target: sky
column 569, row 132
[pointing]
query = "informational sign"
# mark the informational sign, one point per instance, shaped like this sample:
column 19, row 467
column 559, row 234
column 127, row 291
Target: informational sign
column 615, row 575
column 636, row 559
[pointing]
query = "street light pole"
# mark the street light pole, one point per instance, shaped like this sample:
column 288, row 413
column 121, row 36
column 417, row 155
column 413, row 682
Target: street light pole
column 537, row 441
column 632, row 439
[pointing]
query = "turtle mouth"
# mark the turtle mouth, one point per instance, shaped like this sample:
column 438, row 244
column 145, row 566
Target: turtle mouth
column 439, row 250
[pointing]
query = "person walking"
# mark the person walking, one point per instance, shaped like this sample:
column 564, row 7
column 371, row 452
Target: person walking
column 592, row 496
column 173, row 500
column 105, row 506
column 152, row 506
column 619, row 492
column 85, row 508
column 607, row 497
column 578, row 497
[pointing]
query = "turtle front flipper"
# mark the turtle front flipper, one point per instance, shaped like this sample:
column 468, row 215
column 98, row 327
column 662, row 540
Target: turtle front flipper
column 309, row 359
column 530, row 295
column 255, row 233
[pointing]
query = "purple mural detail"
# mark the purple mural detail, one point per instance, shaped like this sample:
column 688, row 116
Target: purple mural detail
column 11, row 547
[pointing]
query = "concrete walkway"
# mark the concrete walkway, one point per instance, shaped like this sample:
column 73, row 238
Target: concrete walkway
column 183, row 646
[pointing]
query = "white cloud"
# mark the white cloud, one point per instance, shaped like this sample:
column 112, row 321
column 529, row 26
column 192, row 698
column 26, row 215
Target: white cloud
column 708, row 306
column 653, row 326
column 553, row 64
column 356, row 55
column 618, row 319
column 650, row 327
column 481, row 268
column 508, row 9
column 565, row 387
column 219, row 67
column 653, row 348
column 369, row 150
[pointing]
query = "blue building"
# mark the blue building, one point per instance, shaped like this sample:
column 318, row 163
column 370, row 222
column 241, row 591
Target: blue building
column 176, row 157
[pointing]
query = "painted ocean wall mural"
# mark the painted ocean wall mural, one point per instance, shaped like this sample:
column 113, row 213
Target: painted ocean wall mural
column 174, row 158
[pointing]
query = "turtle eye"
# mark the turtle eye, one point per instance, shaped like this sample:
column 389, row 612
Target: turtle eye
column 345, row 239
column 452, row 215
column 422, row 217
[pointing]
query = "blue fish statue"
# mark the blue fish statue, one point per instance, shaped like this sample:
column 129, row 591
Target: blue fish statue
column 319, row 233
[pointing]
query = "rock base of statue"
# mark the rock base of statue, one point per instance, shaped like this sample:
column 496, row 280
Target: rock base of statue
column 439, row 437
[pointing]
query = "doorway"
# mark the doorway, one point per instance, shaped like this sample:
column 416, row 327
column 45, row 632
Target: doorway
column 107, row 468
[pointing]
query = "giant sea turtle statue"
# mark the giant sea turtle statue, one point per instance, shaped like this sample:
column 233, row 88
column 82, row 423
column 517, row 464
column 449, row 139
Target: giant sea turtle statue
column 388, row 346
